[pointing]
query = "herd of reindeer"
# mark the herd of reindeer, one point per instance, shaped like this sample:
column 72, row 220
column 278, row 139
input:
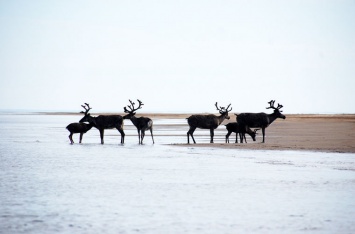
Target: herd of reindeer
column 245, row 121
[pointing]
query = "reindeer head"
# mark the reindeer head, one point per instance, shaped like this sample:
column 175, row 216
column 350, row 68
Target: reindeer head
column 277, row 110
column 131, row 112
column 224, row 111
column 253, row 134
column 86, row 113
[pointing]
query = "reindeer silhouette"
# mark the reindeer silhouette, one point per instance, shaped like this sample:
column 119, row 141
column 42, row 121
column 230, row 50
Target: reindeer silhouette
column 207, row 122
column 259, row 120
column 78, row 128
column 103, row 122
column 142, row 123
column 234, row 127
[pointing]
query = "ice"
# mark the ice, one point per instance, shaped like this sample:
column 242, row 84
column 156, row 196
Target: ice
column 50, row 186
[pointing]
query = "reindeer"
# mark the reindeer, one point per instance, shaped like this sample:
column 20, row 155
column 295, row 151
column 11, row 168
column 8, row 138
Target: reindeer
column 259, row 120
column 78, row 128
column 142, row 123
column 103, row 122
column 234, row 127
column 210, row 122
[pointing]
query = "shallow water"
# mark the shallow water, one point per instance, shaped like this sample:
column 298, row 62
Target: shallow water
column 50, row 186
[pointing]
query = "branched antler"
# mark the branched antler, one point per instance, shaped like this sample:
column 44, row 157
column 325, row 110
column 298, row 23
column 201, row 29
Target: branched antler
column 86, row 109
column 131, row 107
column 223, row 109
column 271, row 103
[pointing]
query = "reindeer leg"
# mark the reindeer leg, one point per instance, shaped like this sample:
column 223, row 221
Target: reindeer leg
column 102, row 135
column 212, row 134
column 151, row 133
column 139, row 136
column 188, row 136
column 245, row 139
column 236, row 137
column 81, row 137
column 190, row 133
column 122, row 134
column 142, row 135
column 241, row 137
column 192, row 136
column 227, row 137
column 71, row 138
column 263, row 130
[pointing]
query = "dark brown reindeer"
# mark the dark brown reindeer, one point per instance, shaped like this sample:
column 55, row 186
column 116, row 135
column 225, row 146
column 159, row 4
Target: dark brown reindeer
column 78, row 128
column 234, row 127
column 103, row 122
column 210, row 122
column 142, row 123
column 259, row 120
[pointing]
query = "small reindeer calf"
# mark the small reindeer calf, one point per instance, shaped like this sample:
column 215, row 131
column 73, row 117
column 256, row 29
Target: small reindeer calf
column 234, row 127
column 78, row 128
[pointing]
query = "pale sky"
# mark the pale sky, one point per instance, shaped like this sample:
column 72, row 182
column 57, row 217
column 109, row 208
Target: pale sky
column 178, row 56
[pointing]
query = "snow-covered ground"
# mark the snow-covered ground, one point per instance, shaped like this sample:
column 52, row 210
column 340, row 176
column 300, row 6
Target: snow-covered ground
column 50, row 186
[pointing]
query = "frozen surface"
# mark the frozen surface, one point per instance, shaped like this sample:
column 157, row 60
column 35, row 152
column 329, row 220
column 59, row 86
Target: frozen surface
column 50, row 186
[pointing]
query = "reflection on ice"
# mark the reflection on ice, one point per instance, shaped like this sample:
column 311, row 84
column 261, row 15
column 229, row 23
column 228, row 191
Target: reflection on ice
column 50, row 186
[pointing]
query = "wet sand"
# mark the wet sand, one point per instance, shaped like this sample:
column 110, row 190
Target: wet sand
column 323, row 133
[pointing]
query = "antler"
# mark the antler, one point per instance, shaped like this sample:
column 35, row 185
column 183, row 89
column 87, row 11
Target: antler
column 223, row 109
column 271, row 103
column 86, row 109
column 228, row 107
column 217, row 107
column 131, row 107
